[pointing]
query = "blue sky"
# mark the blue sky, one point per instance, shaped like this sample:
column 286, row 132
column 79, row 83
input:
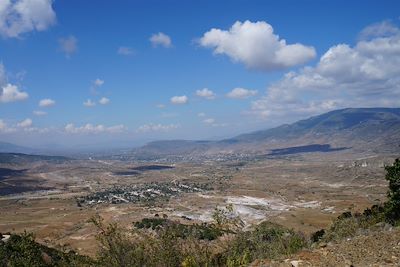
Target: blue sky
column 107, row 72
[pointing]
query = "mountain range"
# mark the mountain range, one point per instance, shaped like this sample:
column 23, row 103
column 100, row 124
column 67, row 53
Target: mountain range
column 374, row 130
column 359, row 129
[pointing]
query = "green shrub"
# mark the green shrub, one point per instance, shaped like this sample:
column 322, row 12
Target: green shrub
column 318, row 235
column 203, row 231
column 267, row 240
column 152, row 223
column 22, row 250
column 348, row 224
column 176, row 244
column 392, row 206
column 341, row 228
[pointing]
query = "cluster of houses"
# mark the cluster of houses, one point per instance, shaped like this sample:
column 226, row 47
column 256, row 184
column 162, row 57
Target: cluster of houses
column 145, row 193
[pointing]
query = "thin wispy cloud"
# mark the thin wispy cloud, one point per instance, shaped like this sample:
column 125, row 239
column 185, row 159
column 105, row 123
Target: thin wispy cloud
column 5, row 129
column 39, row 113
column 160, row 106
column 157, row 127
column 68, row 45
column 209, row 121
column 3, row 75
column 104, row 101
column 25, row 123
column 93, row 129
column 95, row 85
column 47, row 102
column 161, row 39
column 98, row 82
column 206, row 93
column 179, row 100
column 241, row 93
column 125, row 51
column 89, row 103
column 380, row 29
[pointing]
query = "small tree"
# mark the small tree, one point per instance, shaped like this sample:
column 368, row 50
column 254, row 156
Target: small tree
column 226, row 219
column 392, row 206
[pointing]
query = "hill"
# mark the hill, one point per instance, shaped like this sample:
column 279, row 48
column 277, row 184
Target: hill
column 12, row 148
column 360, row 129
column 356, row 120
column 19, row 158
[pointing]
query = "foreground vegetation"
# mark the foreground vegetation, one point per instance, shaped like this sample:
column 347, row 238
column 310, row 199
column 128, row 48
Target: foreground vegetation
column 174, row 244
column 162, row 242
column 23, row 251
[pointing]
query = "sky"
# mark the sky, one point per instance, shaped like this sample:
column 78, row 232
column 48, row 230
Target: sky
column 121, row 73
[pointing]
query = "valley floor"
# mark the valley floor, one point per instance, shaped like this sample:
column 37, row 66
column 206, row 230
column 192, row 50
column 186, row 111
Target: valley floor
column 303, row 193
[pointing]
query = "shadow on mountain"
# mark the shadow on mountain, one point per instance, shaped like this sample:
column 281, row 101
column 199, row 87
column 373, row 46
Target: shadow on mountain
column 16, row 182
column 305, row 149
column 152, row 168
column 19, row 158
column 6, row 173
column 139, row 169
column 126, row 173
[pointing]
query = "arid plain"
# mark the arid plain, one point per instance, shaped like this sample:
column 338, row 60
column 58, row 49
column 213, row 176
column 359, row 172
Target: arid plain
column 303, row 191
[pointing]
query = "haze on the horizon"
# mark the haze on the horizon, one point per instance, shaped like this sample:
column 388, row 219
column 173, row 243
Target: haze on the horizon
column 126, row 72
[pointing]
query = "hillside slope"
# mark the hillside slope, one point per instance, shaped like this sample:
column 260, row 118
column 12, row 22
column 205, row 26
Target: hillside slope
column 20, row 158
column 374, row 248
column 11, row 148
column 361, row 129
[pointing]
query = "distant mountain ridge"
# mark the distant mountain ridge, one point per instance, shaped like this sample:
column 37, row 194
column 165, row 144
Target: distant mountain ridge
column 11, row 148
column 337, row 120
column 374, row 129
column 360, row 129
column 20, row 158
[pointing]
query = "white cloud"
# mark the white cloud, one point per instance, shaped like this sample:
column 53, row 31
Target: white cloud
column 47, row 102
column 22, row 16
column 161, row 39
column 89, row 103
column 179, row 100
column 206, row 93
column 366, row 75
column 3, row 75
column 161, row 106
column 36, row 130
column 255, row 45
column 201, row 114
column 22, row 126
column 241, row 93
column 98, row 82
column 93, row 129
column 104, row 101
column 157, row 127
column 381, row 29
column 25, row 123
column 125, row 51
column 212, row 122
column 209, row 121
column 4, row 127
column 39, row 113
column 68, row 45
column 11, row 93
